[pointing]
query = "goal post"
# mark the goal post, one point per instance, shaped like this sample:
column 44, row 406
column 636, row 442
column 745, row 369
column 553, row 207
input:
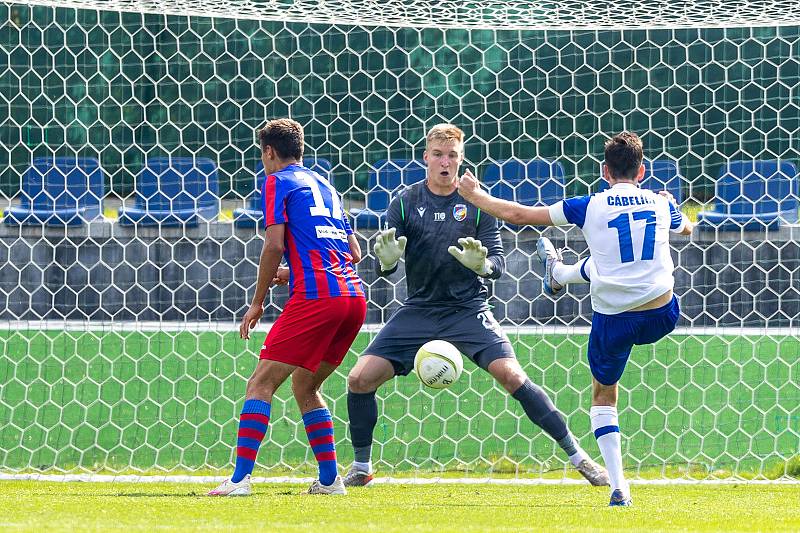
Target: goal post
column 118, row 346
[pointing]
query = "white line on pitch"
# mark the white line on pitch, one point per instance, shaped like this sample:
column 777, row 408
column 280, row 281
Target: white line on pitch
column 222, row 327
column 105, row 478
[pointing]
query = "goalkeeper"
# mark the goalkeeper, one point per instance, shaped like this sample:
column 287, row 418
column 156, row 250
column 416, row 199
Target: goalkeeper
column 447, row 299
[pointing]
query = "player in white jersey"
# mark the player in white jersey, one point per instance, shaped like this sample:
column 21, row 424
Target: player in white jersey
column 630, row 271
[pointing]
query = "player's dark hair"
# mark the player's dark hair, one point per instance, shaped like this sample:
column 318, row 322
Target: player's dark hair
column 624, row 154
column 285, row 136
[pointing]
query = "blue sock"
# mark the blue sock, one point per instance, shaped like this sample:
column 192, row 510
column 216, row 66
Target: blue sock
column 319, row 428
column 252, row 428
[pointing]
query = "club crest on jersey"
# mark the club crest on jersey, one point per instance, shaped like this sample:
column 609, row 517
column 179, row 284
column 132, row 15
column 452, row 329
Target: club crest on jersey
column 459, row 212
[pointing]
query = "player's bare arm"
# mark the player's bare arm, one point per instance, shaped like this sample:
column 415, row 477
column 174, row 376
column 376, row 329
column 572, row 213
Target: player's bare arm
column 355, row 248
column 271, row 255
column 470, row 189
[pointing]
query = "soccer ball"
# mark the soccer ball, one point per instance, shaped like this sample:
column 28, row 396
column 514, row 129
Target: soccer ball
column 438, row 364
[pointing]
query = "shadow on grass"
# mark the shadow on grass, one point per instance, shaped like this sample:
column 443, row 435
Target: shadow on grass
column 195, row 494
column 156, row 495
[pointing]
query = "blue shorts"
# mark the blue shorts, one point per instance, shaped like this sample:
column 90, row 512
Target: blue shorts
column 613, row 336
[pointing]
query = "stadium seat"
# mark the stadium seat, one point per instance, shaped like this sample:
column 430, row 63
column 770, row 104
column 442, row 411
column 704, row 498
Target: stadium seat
column 386, row 178
column 59, row 191
column 174, row 191
column 753, row 195
column 251, row 215
column 533, row 182
column 659, row 175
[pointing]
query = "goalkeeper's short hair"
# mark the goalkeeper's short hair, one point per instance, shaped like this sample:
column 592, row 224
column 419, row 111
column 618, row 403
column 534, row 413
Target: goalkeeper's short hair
column 444, row 133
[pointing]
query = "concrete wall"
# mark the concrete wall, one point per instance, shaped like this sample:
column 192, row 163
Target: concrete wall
column 104, row 271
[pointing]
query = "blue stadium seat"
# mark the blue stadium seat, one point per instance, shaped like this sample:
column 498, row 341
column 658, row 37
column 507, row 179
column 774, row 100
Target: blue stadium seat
column 534, row 182
column 59, row 191
column 174, row 191
column 251, row 215
column 387, row 177
column 659, row 175
column 753, row 195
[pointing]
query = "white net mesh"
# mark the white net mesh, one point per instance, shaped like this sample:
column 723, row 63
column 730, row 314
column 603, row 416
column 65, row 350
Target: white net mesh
column 526, row 14
column 120, row 353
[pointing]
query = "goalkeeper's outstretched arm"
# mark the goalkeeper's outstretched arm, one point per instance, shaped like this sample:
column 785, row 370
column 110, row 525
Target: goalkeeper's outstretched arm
column 489, row 236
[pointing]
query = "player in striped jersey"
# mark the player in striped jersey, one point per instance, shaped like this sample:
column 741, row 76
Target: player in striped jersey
column 306, row 225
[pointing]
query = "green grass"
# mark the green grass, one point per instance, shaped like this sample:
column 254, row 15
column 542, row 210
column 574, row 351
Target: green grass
column 691, row 209
column 38, row 506
column 165, row 401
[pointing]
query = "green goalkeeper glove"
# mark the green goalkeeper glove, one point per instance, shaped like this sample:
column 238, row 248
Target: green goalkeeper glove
column 389, row 250
column 472, row 255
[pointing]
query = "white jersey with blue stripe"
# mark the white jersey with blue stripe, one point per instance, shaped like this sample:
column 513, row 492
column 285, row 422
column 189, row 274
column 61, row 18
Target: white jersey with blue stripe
column 627, row 231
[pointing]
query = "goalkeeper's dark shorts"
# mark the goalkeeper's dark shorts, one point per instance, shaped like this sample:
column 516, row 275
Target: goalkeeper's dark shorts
column 473, row 330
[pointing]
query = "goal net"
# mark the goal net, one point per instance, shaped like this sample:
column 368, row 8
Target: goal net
column 118, row 347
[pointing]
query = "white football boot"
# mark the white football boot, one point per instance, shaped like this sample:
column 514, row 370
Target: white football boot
column 337, row 487
column 547, row 254
column 229, row 488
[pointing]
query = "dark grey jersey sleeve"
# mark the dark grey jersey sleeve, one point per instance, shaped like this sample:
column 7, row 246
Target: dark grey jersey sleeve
column 489, row 235
column 394, row 219
column 394, row 215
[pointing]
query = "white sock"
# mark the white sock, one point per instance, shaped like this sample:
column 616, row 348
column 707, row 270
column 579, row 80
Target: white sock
column 566, row 274
column 363, row 467
column 606, row 423
column 578, row 456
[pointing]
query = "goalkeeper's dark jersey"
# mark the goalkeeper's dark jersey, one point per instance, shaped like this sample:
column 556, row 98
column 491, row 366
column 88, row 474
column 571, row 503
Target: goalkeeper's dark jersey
column 431, row 224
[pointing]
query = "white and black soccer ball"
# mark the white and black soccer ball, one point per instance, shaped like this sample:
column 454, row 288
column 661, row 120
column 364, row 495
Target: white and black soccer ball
column 438, row 364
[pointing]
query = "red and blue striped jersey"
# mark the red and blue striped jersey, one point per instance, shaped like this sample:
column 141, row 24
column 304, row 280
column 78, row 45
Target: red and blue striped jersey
column 315, row 246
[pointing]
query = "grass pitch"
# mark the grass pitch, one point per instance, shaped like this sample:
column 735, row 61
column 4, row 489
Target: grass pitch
column 105, row 400
column 29, row 506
